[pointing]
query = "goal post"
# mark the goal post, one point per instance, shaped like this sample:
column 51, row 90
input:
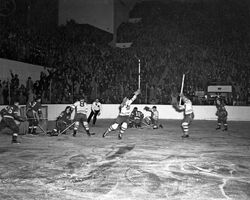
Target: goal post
column 23, row 127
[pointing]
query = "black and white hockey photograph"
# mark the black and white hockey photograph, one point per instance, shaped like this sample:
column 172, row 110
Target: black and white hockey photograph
column 124, row 99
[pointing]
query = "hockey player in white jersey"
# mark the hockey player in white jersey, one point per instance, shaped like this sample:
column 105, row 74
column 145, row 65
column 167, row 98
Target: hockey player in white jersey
column 187, row 108
column 81, row 110
column 122, row 119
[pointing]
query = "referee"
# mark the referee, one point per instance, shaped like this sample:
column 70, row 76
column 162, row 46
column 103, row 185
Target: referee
column 96, row 108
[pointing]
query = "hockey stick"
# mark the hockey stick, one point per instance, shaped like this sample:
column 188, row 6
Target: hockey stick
column 42, row 129
column 67, row 128
column 182, row 85
column 147, row 125
column 139, row 72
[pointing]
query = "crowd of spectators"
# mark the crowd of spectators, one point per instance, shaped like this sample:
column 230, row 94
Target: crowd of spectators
column 208, row 42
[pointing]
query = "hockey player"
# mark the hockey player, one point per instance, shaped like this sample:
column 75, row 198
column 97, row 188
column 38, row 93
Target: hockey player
column 122, row 119
column 136, row 118
column 81, row 110
column 153, row 119
column 9, row 115
column 187, row 109
column 221, row 113
column 64, row 119
column 96, row 108
column 34, row 114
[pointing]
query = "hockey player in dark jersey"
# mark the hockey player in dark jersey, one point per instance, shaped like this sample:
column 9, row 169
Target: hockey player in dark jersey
column 222, row 114
column 9, row 115
column 64, row 119
column 135, row 118
column 34, row 114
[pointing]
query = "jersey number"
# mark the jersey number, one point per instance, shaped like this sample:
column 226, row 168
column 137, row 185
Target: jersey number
column 82, row 103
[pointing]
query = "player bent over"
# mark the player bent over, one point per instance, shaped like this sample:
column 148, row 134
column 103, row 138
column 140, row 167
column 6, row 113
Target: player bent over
column 64, row 119
column 222, row 114
column 153, row 119
column 135, row 118
column 122, row 119
column 9, row 115
column 81, row 110
column 187, row 109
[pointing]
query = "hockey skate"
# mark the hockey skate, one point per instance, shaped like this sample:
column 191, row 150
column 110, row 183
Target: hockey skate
column 14, row 139
column 105, row 134
column 185, row 136
column 119, row 136
column 225, row 129
column 74, row 133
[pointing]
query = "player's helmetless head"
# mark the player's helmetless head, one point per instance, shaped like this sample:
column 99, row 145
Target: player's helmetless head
column 81, row 98
column 38, row 99
column 68, row 109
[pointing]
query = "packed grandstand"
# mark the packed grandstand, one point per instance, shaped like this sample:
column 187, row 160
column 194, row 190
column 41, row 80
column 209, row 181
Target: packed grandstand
column 207, row 41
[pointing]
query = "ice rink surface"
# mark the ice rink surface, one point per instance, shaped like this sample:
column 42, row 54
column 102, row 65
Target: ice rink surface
column 146, row 164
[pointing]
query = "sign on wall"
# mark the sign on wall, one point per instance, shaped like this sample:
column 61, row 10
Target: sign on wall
column 219, row 88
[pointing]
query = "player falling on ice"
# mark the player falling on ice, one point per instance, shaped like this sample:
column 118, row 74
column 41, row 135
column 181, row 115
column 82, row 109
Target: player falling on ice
column 122, row 119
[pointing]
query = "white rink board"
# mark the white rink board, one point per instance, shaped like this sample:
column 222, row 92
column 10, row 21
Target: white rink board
column 110, row 111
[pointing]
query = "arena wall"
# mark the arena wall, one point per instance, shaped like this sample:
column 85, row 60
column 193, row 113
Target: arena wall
column 110, row 111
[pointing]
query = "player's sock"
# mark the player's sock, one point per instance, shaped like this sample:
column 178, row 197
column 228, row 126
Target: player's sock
column 14, row 138
column 30, row 130
column 121, row 133
column 34, row 131
column 218, row 126
column 225, row 127
column 74, row 132
column 107, row 131
column 88, row 133
column 185, row 134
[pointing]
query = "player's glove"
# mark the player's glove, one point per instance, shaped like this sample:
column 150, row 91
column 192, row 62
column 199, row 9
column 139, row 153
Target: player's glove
column 217, row 113
column 137, row 92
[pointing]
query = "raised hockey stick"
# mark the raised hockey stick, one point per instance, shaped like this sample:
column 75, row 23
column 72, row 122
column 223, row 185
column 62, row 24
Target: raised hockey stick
column 182, row 85
column 139, row 72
